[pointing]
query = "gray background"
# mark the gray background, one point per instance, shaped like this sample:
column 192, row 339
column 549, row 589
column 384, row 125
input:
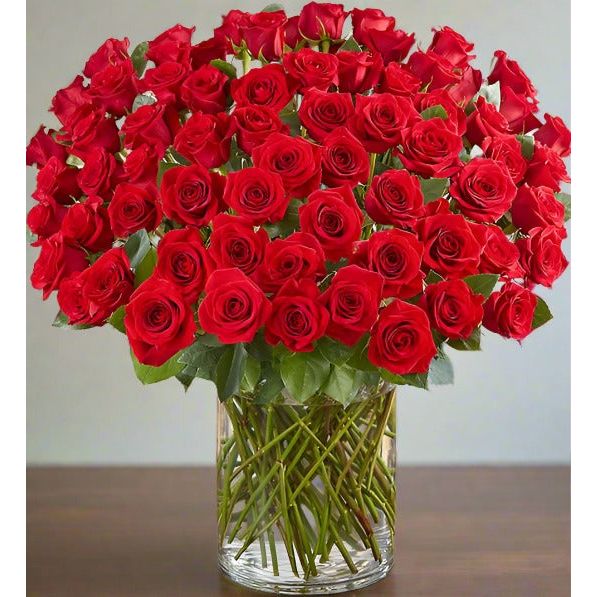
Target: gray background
column 84, row 405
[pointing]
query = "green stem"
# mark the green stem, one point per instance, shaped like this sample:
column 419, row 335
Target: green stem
column 372, row 160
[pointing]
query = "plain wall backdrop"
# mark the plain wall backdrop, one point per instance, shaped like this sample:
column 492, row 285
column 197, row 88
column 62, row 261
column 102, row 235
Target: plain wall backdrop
column 509, row 404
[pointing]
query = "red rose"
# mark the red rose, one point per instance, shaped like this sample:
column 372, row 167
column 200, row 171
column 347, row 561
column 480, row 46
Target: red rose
column 500, row 256
column 352, row 300
column 295, row 160
column 93, row 130
column 453, row 245
column 322, row 112
column 141, row 165
column 510, row 311
column 256, row 194
column 173, row 45
column 396, row 255
column 452, row 46
column 507, row 150
column 555, row 135
column 45, row 217
column 311, row 69
column 71, row 300
column 234, row 307
column 231, row 28
column 546, row 168
column 57, row 180
column 322, row 21
column 158, row 322
column 292, row 35
column 265, row 86
column 254, row 124
column 431, row 148
column 107, row 284
column 453, row 309
column 541, row 255
column 298, row 316
column 297, row 257
column 334, row 218
column 206, row 51
column 69, row 100
column 146, row 125
column 165, row 80
column 264, row 34
column 204, row 90
column 344, row 159
column 485, row 121
column 395, row 198
column 114, row 88
column 437, row 206
column 99, row 173
column 358, row 71
column 399, row 80
column 401, row 340
column 191, row 195
column 87, row 224
column 205, row 139
column 518, row 111
column 112, row 51
column 468, row 86
column 369, row 22
column 234, row 242
column 440, row 97
column 57, row 260
column 434, row 70
column 133, row 208
column 42, row 147
column 509, row 74
column 183, row 261
column 483, row 190
column 536, row 207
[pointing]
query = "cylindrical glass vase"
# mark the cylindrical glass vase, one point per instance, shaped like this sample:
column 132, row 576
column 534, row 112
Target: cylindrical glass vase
column 306, row 492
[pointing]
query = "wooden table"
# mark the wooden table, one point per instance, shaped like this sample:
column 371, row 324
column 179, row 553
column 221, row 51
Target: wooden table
column 128, row 532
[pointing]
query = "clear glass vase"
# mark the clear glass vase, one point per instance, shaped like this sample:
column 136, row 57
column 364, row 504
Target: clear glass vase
column 306, row 492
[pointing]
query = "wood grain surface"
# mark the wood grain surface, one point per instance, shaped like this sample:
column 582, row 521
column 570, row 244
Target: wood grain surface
column 151, row 532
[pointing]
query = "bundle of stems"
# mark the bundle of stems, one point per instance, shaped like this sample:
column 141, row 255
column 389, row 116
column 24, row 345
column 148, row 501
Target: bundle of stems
column 308, row 477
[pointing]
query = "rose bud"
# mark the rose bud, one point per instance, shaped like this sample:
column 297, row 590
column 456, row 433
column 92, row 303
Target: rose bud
column 311, row 69
column 334, row 218
column 112, row 51
column 546, row 169
column 507, row 150
column 536, row 207
column 204, row 90
column 146, row 125
column 440, row 97
column 396, row 255
column 344, row 159
column 434, row 71
column 399, row 80
column 71, row 300
column 500, row 255
column 453, row 309
column 93, row 130
column 358, row 71
column 234, row 242
column 509, row 74
column 295, row 160
column 322, row 21
column 164, row 81
column 352, row 300
column 57, row 180
column 257, row 195
column 42, row 147
column 133, row 208
column 510, row 311
column 298, row 317
column 98, row 175
column 45, row 217
column 483, row 190
column 452, row 245
column 158, row 322
column 141, row 165
column 395, row 198
column 69, row 100
column 183, row 260
column 452, row 46
column 485, row 121
column 265, row 86
column 322, row 112
column 468, row 86
column 401, row 340
column 555, row 135
column 518, row 111
column 191, row 195
column 234, row 307
column 292, row 35
column 87, row 224
column 206, row 51
column 114, row 88
column 173, row 45
column 231, row 28
column 253, row 125
column 541, row 255
column 297, row 257
column 263, row 33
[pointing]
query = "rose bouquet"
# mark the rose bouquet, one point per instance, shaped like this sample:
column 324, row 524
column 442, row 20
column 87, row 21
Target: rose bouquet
column 308, row 215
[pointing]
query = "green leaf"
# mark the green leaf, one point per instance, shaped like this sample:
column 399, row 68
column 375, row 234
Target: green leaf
column 230, row 370
column 162, row 167
column 473, row 342
column 147, row 374
column 291, row 119
column 542, row 313
column 359, row 359
column 566, row 200
column 259, row 349
column 433, row 278
column 116, row 320
column 303, row 373
column 433, row 188
column 350, row 45
column 251, row 375
column 200, row 360
column 73, row 160
column 146, row 266
column 138, row 57
column 273, row 8
column 270, row 386
column 227, row 68
column 289, row 224
column 418, row 380
column 491, row 93
column 334, row 351
column 137, row 246
column 144, row 99
column 441, row 371
column 208, row 340
column 185, row 380
column 342, row 384
column 527, row 145
column 434, row 112
column 391, row 163
column 482, row 283
column 61, row 321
